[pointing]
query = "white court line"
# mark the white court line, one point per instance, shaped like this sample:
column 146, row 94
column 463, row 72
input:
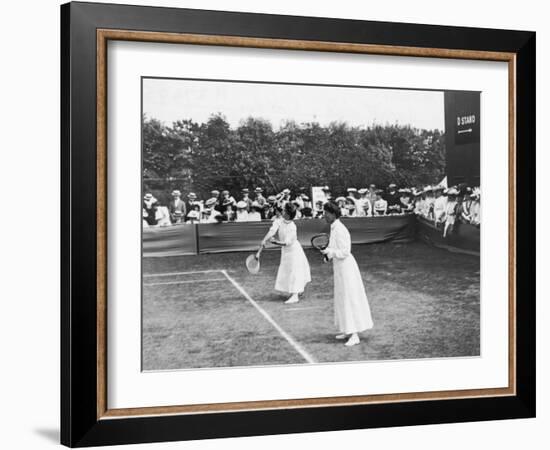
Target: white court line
column 183, row 282
column 264, row 313
column 169, row 274
column 303, row 308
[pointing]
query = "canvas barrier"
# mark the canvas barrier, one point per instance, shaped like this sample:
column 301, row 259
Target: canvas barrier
column 464, row 238
column 192, row 239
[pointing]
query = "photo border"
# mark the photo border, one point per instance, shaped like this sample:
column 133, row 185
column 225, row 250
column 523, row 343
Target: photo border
column 86, row 29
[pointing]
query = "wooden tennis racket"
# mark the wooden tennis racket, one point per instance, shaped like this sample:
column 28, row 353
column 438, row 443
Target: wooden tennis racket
column 320, row 242
column 253, row 261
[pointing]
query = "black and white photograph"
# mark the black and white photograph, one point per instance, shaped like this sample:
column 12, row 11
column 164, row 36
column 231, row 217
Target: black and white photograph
column 301, row 224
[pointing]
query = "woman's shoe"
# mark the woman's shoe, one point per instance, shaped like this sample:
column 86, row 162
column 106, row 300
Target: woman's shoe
column 293, row 299
column 341, row 336
column 353, row 340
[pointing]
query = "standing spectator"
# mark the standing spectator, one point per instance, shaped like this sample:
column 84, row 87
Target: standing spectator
column 228, row 207
column 260, row 199
column 177, row 208
column 392, row 197
column 283, row 198
column 271, row 208
column 226, row 197
column 440, row 205
column 328, row 194
column 210, row 213
column 246, row 198
column 191, row 202
column 450, row 211
column 215, row 196
column 150, row 205
column 371, row 195
column 380, row 205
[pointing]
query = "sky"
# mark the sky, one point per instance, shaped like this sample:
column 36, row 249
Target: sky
column 169, row 100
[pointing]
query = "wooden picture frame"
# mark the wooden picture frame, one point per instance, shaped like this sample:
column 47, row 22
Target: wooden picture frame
column 85, row 417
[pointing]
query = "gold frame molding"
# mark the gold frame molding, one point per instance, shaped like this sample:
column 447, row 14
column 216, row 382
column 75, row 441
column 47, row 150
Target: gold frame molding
column 105, row 35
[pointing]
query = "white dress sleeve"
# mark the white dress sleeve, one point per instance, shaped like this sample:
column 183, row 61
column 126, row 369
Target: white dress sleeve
column 273, row 229
column 340, row 244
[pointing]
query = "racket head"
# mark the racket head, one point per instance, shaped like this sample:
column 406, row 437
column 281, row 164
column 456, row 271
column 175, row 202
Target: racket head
column 253, row 264
column 320, row 241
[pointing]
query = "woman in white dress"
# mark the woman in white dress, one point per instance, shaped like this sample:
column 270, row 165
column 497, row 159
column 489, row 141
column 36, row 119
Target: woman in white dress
column 294, row 272
column 351, row 307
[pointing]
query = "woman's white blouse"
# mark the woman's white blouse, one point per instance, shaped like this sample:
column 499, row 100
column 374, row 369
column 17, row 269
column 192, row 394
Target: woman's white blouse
column 339, row 245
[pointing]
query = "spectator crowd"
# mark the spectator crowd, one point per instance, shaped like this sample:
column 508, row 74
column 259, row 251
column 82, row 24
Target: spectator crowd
column 443, row 206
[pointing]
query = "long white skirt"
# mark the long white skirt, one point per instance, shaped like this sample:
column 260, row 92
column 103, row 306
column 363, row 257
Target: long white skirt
column 351, row 307
column 294, row 272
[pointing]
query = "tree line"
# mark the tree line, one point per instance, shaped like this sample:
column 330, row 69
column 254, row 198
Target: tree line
column 199, row 157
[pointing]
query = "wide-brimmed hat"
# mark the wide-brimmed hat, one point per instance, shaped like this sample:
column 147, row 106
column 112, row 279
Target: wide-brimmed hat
column 210, row 202
column 372, row 185
column 340, row 199
column 325, row 188
column 148, row 196
column 286, row 191
column 241, row 205
column 352, row 189
column 245, row 191
column 176, row 192
column 192, row 195
column 225, row 192
column 215, row 192
column 305, row 197
column 428, row 189
column 258, row 190
column 272, row 198
column 392, row 185
column 363, row 190
column 452, row 191
column 193, row 215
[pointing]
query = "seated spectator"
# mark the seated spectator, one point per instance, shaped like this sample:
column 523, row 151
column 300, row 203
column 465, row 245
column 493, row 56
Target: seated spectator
column 210, row 213
column 363, row 206
column 405, row 198
column 319, row 211
column 350, row 207
column 464, row 207
column 163, row 216
column 255, row 214
column 150, row 204
column 380, row 205
column 475, row 207
column 193, row 216
column 440, row 204
column 242, row 211
column 341, row 202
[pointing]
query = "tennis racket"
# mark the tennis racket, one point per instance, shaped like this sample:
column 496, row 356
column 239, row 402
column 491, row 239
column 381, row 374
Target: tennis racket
column 253, row 261
column 320, row 242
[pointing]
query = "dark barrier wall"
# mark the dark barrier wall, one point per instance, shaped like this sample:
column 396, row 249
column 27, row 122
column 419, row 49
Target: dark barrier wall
column 246, row 236
column 465, row 237
column 170, row 241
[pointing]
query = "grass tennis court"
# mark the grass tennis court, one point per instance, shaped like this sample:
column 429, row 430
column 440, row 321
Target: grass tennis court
column 208, row 311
